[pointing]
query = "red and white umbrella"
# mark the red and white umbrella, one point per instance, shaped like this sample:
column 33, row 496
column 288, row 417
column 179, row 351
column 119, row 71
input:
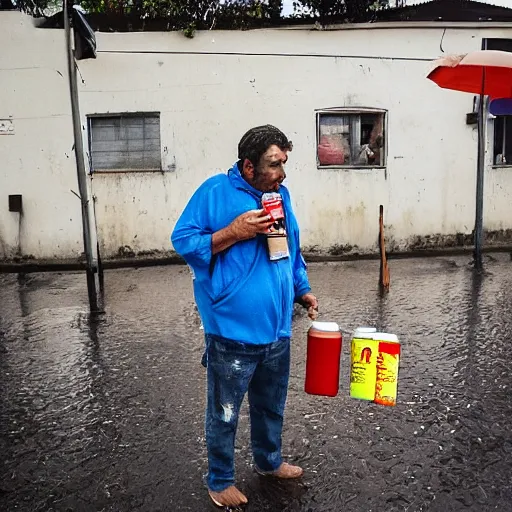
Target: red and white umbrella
column 486, row 73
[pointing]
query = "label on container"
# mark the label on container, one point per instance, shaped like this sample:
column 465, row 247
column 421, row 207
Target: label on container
column 387, row 373
column 363, row 368
column 277, row 239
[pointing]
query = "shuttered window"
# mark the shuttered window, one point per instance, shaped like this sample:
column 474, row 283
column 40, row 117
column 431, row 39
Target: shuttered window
column 126, row 142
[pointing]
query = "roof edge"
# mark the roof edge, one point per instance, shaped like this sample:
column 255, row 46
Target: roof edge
column 397, row 24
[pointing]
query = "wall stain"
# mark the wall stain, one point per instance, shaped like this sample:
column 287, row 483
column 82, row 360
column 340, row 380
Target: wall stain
column 339, row 249
column 125, row 251
column 436, row 241
column 500, row 240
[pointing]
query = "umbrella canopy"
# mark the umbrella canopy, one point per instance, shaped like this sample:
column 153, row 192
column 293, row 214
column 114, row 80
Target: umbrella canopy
column 485, row 72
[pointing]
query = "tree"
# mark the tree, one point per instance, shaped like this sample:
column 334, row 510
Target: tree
column 6, row 4
column 353, row 11
column 191, row 15
column 35, row 8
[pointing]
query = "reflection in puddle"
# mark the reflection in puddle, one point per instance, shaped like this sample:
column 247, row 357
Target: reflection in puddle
column 107, row 413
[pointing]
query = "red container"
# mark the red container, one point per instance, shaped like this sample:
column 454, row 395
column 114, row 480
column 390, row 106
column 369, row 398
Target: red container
column 323, row 359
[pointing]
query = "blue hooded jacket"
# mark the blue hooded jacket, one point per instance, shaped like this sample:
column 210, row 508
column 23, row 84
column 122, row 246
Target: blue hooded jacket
column 240, row 293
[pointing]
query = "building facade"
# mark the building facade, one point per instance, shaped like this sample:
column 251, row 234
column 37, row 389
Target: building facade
column 161, row 113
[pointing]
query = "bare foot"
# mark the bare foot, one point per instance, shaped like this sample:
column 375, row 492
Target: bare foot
column 285, row 471
column 230, row 497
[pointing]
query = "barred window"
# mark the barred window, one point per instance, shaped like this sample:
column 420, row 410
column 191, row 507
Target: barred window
column 125, row 142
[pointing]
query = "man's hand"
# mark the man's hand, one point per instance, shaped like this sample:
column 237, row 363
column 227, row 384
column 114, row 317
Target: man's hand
column 309, row 301
column 244, row 227
column 249, row 224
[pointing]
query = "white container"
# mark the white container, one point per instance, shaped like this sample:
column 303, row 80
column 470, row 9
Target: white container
column 325, row 326
column 364, row 332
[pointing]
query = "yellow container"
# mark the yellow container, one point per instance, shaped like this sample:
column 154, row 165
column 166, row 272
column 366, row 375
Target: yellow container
column 387, row 368
column 363, row 363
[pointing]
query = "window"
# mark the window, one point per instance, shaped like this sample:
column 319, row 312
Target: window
column 492, row 43
column 503, row 140
column 125, row 142
column 348, row 138
column 502, row 109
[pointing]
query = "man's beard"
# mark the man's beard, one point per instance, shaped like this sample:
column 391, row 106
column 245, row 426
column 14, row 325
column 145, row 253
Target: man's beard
column 259, row 180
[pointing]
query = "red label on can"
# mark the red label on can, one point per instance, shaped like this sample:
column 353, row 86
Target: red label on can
column 389, row 347
column 274, row 207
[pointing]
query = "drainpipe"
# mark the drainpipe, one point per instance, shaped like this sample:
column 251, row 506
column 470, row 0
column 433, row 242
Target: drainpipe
column 91, row 264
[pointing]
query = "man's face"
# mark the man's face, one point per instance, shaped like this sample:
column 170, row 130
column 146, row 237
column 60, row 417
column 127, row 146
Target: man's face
column 269, row 173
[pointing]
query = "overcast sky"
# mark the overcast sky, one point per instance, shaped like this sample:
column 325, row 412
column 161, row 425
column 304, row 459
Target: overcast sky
column 288, row 4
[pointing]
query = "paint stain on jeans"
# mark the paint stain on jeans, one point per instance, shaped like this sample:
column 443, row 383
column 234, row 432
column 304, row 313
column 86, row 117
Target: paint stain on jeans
column 228, row 412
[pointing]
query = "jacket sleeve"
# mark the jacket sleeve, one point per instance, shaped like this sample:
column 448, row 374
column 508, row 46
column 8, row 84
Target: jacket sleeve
column 300, row 277
column 192, row 235
column 299, row 267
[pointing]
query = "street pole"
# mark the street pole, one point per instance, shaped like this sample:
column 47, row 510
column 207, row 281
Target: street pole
column 80, row 167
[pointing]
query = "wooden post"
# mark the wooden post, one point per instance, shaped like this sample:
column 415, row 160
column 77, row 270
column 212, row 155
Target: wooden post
column 384, row 270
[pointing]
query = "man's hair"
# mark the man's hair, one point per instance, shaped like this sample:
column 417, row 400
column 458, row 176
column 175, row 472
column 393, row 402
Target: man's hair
column 257, row 140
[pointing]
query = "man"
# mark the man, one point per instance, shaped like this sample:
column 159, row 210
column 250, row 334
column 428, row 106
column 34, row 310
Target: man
column 245, row 301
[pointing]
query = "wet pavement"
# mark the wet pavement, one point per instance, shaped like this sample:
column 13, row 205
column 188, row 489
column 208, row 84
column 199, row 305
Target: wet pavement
column 107, row 415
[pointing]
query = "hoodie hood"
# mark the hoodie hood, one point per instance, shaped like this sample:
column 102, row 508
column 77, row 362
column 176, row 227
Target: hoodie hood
column 238, row 181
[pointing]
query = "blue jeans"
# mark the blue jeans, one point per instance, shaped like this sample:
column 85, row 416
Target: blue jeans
column 234, row 369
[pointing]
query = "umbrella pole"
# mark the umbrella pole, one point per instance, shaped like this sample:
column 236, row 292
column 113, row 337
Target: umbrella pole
column 480, row 183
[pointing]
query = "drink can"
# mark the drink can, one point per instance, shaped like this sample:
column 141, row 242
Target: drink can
column 363, row 363
column 387, row 369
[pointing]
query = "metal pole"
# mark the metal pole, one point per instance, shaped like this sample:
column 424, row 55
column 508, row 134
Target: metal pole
column 480, row 182
column 80, row 167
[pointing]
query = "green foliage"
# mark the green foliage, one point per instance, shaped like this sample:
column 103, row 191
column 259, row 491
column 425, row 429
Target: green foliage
column 193, row 10
column 342, row 10
column 38, row 8
column 192, row 15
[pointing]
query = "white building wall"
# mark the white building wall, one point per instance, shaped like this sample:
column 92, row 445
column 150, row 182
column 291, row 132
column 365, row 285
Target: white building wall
column 37, row 161
column 208, row 97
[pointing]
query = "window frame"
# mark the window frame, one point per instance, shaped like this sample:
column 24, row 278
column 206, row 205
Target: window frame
column 503, row 44
column 352, row 111
column 507, row 165
column 143, row 114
